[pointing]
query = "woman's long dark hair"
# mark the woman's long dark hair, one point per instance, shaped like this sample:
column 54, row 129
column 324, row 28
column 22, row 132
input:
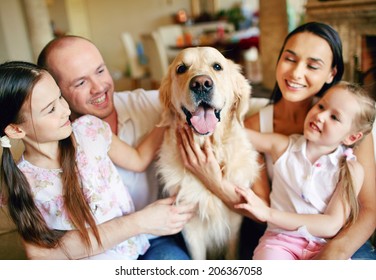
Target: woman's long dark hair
column 17, row 80
column 331, row 36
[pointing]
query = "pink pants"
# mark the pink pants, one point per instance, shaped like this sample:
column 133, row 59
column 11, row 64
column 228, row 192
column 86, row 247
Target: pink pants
column 279, row 246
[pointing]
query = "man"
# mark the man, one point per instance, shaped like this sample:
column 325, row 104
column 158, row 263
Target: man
column 85, row 82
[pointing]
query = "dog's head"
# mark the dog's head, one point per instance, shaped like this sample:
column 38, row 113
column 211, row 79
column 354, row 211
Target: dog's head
column 202, row 88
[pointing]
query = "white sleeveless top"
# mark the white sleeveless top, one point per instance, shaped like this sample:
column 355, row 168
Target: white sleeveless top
column 302, row 187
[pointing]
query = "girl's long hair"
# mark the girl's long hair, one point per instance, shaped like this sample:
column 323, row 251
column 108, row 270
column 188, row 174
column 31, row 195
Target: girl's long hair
column 331, row 36
column 363, row 122
column 17, row 80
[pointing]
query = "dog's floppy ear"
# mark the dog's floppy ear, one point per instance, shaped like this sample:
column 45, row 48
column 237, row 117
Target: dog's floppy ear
column 165, row 99
column 242, row 91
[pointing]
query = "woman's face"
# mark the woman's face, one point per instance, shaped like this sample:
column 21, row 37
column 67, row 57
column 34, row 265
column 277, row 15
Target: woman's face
column 304, row 67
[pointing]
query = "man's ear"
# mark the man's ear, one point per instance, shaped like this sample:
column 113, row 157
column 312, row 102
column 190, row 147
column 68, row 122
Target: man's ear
column 13, row 131
column 352, row 138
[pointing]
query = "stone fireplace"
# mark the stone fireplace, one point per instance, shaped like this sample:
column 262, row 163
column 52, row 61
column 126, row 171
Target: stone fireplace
column 355, row 21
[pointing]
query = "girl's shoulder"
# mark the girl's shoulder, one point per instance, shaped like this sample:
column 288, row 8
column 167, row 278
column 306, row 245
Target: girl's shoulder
column 295, row 142
column 88, row 120
column 89, row 127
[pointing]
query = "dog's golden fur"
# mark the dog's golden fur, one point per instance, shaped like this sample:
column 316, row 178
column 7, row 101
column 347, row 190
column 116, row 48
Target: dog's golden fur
column 201, row 82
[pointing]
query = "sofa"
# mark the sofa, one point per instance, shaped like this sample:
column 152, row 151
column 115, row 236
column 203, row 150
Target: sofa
column 10, row 242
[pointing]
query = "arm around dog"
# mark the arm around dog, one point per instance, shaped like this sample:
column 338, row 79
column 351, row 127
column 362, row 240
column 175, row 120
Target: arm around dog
column 159, row 218
column 274, row 144
column 136, row 159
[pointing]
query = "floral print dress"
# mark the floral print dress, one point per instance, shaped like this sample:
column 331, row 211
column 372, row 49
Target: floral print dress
column 101, row 184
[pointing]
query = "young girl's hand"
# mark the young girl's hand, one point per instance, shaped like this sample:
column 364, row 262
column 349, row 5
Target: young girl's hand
column 254, row 205
column 163, row 217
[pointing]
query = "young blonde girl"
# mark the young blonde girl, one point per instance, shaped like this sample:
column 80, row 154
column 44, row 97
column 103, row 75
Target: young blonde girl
column 64, row 180
column 316, row 176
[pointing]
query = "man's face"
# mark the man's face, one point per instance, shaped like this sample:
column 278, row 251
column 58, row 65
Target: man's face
column 83, row 78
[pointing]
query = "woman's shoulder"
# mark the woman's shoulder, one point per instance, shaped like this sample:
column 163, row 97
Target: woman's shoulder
column 262, row 120
column 253, row 122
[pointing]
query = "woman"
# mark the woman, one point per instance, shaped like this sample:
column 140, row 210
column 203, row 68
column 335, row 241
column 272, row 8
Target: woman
column 309, row 63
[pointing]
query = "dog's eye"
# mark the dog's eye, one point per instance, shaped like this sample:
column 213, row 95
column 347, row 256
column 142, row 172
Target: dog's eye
column 182, row 68
column 217, row 67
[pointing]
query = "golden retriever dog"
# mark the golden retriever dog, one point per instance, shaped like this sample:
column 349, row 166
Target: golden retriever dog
column 207, row 91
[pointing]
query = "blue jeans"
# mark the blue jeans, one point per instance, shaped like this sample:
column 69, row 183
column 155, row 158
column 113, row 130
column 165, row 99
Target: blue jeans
column 170, row 247
column 250, row 233
column 366, row 252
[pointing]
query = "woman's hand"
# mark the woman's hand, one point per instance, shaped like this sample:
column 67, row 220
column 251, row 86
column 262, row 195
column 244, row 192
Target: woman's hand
column 200, row 161
column 203, row 164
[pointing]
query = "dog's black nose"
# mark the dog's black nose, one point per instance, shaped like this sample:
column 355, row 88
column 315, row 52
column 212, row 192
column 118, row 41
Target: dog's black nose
column 201, row 84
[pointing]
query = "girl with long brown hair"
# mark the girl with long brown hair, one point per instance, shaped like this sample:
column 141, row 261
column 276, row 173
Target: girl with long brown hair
column 65, row 181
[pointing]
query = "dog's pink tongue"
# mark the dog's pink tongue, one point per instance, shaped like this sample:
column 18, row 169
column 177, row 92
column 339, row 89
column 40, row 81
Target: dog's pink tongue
column 204, row 120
